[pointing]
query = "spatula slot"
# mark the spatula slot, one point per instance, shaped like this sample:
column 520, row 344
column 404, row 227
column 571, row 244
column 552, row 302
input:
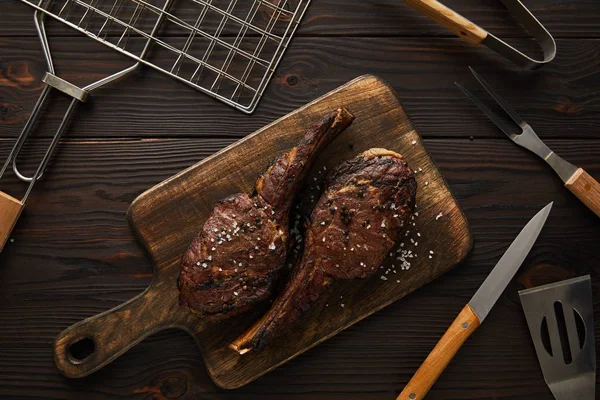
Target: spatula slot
column 80, row 350
column 562, row 332
column 545, row 336
column 560, row 315
column 580, row 325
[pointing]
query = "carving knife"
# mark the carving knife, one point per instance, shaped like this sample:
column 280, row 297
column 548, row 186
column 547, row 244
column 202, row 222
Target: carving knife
column 473, row 314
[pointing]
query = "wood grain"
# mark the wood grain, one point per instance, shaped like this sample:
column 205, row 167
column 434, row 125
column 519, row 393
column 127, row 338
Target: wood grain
column 586, row 188
column 10, row 210
column 74, row 257
column 560, row 100
column 450, row 19
column 444, row 351
column 563, row 18
column 161, row 219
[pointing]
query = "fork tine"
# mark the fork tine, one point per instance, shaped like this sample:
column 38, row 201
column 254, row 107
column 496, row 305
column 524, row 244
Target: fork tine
column 491, row 115
column 509, row 110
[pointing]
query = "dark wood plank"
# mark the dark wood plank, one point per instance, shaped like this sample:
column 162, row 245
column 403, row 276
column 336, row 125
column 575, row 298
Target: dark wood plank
column 74, row 256
column 161, row 216
column 563, row 18
column 560, row 100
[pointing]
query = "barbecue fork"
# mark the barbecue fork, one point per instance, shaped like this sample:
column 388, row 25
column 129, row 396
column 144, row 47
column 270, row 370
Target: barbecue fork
column 579, row 182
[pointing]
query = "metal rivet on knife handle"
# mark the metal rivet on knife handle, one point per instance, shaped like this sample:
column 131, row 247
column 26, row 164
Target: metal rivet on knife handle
column 441, row 355
column 473, row 314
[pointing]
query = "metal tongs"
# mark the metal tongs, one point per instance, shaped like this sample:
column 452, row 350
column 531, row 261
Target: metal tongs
column 475, row 35
column 11, row 207
column 579, row 182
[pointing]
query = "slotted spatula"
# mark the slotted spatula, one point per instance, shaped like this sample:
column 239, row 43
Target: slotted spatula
column 566, row 351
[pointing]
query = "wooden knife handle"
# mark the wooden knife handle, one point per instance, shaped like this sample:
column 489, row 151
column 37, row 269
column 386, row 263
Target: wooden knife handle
column 441, row 355
column 10, row 210
column 586, row 188
column 451, row 20
column 90, row 344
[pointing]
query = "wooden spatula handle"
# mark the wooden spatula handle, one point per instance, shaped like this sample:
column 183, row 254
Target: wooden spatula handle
column 10, row 210
column 441, row 355
column 92, row 343
column 586, row 188
column 450, row 19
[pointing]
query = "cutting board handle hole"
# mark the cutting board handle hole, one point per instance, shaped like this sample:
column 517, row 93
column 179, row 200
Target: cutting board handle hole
column 79, row 351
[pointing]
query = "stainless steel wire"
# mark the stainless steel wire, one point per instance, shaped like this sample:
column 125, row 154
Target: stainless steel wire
column 228, row 49
column 43, row 99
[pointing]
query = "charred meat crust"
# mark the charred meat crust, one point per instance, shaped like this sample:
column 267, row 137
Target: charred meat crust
column 361, row 214
column 233, row 262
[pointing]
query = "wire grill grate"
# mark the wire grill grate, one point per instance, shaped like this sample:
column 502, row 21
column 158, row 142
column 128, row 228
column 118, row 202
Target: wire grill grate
column 228, row 49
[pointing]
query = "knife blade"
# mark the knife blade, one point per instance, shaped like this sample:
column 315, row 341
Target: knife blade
column 476, row 310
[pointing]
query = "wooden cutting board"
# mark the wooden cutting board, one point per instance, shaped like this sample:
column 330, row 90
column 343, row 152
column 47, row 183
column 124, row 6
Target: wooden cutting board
column 168, row 216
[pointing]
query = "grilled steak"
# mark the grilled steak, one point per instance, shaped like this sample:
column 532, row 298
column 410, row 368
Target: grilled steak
column 354, row 225
column 233, row 262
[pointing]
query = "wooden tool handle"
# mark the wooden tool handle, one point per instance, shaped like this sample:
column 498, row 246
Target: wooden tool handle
column 10, row 210
column 586, row 188
column 92, row 343
column 435, row 363
column 451, row 20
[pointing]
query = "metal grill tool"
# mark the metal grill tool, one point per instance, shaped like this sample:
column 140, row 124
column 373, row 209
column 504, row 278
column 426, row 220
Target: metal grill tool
column 568, row 355
column 475, row 35
column 577, row 180
column 228, row 49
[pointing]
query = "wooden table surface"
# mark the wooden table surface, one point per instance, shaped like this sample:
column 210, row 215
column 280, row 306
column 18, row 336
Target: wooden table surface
column 74, row 256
